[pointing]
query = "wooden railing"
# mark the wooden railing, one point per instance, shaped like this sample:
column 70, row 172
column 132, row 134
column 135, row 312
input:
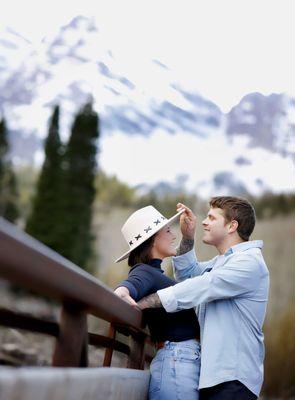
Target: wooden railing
column 30, row 264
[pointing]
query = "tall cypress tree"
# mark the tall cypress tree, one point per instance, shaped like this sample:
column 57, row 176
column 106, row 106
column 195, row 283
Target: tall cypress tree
column 43, row 222
column 78, row 189
column 8, row 185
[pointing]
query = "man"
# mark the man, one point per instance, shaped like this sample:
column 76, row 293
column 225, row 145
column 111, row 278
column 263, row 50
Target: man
column 230, row 294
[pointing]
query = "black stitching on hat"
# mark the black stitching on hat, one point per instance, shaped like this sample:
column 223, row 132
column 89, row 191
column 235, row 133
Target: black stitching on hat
column 147, row 229
column 157, row 222
column 163, row 217
column 138, row 236
column 130, row 243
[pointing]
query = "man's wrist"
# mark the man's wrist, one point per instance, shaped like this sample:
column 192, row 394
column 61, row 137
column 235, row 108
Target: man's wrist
column 151, row 301
column 186, row 244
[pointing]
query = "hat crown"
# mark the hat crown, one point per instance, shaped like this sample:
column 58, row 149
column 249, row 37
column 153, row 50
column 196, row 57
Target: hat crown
column 142, row 224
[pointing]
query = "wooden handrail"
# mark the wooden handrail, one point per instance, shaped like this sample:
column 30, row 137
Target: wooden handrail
column 34, row 324
column 31, row 264
column 27, row 262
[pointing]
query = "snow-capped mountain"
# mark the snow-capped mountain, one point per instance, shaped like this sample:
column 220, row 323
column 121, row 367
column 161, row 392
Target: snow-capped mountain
column 142, row 97
column 269, row 122
column 77, row 62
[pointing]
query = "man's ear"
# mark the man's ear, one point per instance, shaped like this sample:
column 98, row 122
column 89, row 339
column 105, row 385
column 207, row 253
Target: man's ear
column 233, row 226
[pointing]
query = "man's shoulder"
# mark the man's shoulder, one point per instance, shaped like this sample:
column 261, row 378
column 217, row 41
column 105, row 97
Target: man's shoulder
column 251, row 257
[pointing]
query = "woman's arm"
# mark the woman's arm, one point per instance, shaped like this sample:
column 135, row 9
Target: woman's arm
column 124, row 294
column 139, row 283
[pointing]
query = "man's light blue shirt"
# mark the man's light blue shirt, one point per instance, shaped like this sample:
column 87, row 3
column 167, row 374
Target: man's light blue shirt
column 230, row 293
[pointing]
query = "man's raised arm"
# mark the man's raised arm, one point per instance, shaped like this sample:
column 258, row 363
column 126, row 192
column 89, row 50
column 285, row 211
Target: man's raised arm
column 187, row 222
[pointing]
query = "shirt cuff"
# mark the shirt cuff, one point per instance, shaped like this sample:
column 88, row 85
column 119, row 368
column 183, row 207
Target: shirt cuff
column 168, row 299
column 185, row 260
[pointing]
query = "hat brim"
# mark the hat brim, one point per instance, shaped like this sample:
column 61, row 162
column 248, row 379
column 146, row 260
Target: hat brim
column 167, row 222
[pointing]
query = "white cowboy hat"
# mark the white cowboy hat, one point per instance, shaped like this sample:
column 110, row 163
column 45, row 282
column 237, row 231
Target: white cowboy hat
column 141, row 225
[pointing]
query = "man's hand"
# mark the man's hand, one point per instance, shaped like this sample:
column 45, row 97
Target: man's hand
column 150, row 301
column 124, row 294
column 188, row 222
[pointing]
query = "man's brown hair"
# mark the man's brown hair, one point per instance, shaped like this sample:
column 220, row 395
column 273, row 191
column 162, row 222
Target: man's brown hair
column 240, row 210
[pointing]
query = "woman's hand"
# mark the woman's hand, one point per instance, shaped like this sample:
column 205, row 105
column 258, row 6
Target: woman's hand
column 124, row 294
column 188, row 222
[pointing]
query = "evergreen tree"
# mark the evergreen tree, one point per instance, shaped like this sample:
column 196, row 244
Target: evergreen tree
column 44, row 220
column 8, row 185
column 11, row 212
column 78, row 189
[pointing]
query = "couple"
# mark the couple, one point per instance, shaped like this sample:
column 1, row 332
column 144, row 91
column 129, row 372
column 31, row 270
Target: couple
column 228, row 293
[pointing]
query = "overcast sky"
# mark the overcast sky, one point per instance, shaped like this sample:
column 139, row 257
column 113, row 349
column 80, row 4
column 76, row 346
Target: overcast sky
column 222, row 48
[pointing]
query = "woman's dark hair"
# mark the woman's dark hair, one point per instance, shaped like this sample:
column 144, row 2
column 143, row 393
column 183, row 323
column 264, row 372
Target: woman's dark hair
column 142, row 254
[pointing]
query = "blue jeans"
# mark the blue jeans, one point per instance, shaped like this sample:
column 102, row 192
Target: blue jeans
column 175, row 371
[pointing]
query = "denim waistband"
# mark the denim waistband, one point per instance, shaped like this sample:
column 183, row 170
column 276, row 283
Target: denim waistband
column 189, row 343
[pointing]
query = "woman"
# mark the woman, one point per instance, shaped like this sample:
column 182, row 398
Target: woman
column 176, row 367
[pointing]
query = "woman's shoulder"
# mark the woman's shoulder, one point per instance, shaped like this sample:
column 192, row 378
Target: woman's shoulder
column 140, row 267
column 144, row 270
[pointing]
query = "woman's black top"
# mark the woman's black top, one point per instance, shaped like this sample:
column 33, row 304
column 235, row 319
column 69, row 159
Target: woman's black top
column 144, row 279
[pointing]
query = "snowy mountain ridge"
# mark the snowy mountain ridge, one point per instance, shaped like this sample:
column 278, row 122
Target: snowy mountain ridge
column 142, row 97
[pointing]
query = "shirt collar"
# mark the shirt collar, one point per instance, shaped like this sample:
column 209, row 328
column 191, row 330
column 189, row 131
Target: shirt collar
column 244, row 246
column 155, row 262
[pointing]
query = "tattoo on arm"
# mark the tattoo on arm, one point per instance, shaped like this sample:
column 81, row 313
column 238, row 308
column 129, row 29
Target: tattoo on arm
column 185, row 246
column 151, row 301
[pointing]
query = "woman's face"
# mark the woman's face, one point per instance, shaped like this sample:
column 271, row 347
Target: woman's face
column 164, row 245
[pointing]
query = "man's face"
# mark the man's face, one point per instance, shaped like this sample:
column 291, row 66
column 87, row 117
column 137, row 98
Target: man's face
column 215, row 227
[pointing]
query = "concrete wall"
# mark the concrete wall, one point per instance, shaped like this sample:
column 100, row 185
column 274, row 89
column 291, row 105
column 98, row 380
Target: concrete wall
column 73, row 384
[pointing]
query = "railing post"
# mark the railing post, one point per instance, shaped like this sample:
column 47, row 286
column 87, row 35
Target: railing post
column 71, row 349
column 109, row 351
column 137, row 352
